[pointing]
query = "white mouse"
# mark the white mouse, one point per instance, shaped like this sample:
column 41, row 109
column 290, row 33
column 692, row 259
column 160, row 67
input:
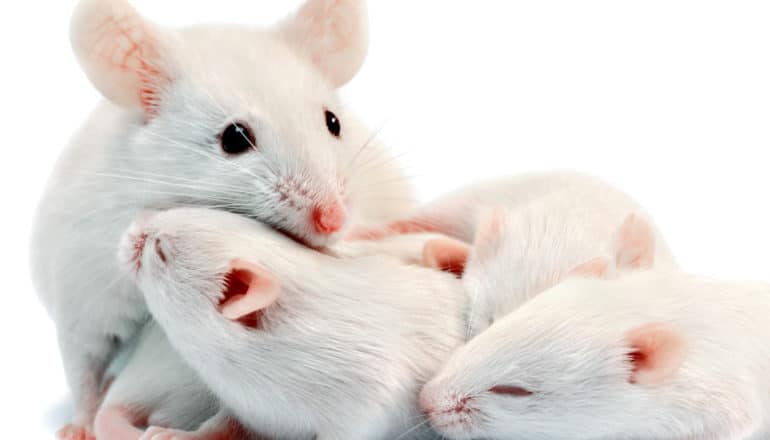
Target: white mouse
column 655, row 355
column 585, row 227
column 156, row 396
column 296, row 343
column 458, row 212
column 241, row 119
column 154, row 388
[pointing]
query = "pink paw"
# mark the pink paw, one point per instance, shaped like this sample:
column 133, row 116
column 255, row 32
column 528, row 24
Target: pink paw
column 158, row 433
column 74, row 432
column 367, row 234
column 413, row 226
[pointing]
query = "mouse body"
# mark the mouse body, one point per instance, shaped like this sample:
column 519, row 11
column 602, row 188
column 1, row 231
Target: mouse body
column 157, row 396
column 458, row 213
column 234, row 118
column 653, row 355
column 153, row 388
column 568, row 224
column 296, row 343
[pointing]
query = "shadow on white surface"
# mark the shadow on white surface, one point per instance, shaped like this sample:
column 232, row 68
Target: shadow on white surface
column 58, row 414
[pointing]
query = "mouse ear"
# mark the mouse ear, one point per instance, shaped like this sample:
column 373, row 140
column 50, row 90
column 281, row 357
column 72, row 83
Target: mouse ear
column 635, row 244
column 249, row 289
column 333, row 34
column 446, row 254
column 489, row 232
column 120, row 52
column 599, row 267
column 656, row 352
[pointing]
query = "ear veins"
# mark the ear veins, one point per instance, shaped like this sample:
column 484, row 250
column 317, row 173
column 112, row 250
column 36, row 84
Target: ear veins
column 116, row 47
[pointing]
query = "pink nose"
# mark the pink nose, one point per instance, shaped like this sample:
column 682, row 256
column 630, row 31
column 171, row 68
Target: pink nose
column 328, row 219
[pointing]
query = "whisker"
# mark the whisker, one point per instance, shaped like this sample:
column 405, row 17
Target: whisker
column 412, row 429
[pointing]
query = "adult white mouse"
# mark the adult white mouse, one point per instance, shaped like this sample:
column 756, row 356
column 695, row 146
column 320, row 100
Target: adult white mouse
column 654, row 355
column 585, row 227
column 241, row 119
column 296, row 343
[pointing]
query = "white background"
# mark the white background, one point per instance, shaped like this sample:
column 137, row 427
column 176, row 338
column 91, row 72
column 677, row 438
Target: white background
column 669, row 99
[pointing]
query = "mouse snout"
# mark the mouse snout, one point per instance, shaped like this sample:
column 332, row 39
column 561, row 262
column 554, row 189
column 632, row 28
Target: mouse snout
column 449, row 413
column 328, row 218
column 135, row 241
column 433, row 402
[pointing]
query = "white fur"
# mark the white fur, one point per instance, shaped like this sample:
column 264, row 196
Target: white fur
column 407, row 248
column 459, row 212
column 341, row 354
column 546, row 225
column 155, row 384
column 127, row 158
column 569, row 347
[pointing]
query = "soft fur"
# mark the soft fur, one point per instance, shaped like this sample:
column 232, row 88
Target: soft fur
column 341, row 353
column 155, row 144
column 572, row 347
column 154, row 388
column 458, row 213
column 531, row 231
column 522, row 251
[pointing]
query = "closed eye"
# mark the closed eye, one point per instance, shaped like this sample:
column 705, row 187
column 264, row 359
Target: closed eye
column 509, row 390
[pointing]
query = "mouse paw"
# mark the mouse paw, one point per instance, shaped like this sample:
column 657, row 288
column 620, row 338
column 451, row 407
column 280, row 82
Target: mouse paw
column 158, row 433
column 74, row 432
column 364, row 233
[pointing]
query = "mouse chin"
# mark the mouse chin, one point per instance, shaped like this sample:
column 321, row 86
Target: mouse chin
column 305, row 238
column 456, row 431
column 317, row 242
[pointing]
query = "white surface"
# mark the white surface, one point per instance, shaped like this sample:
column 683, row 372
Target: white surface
column 669, row 99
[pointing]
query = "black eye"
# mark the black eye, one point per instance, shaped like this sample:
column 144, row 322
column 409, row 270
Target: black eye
column 508, row 390
column 333, row 124
column 237, row 138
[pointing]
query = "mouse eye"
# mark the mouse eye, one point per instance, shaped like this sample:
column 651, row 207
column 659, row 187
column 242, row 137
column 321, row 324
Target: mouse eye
column 509, row 390
column 333, row 124
column 237, row 138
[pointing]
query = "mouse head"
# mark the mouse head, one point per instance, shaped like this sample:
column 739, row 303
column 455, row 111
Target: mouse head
column 512, row 260
column 242, row 119
column 555, row 366
column 205, row 257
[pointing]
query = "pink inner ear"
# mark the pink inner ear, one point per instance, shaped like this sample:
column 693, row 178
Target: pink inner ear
column 489, row 232
column 249, row 289
column 635, row 244
column 658, row 350
column 596, row 268
column 117, row 49
column 446, row 254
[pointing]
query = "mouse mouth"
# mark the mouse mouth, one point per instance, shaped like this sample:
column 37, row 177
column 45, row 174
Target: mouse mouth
column 296, row 238
column 235, row 287
column 299, row 240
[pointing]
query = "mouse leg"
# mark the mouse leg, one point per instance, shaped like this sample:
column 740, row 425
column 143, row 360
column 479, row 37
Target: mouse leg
column 117, row 423
column 85, row 374
column 220, row 427
column 409, row 226
column 74, row 432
